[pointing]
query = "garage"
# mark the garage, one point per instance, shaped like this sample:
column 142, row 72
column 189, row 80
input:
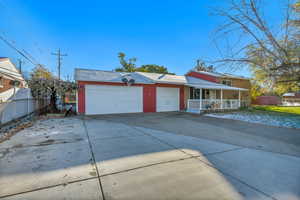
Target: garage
column 106, row 99
column 167, row 99
column 108, row 92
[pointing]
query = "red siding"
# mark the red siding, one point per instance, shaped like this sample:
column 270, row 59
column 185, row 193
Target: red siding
column 81, row 97
column 181, row 98
column 149, row 98
column 203, row 76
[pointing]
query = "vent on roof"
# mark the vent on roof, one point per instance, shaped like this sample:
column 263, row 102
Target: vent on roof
column 127, row 79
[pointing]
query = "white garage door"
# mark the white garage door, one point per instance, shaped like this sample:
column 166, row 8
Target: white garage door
column 167, row 99
column 101, row 99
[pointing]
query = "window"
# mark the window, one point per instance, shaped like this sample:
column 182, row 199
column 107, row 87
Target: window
column 206, row 94
column 226, row 82
column 194, row 93
column 197, row 94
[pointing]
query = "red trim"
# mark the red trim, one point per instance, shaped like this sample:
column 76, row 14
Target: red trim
column 181, row 98
column 149, row 98
column 203, row 76
column 108, row 83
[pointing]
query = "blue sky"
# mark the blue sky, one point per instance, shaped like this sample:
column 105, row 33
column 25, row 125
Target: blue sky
column 172, row 33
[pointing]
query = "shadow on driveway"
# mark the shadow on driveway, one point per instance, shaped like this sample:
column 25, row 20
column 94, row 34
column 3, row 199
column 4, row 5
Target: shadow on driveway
column 140, row 156
column 257, row 136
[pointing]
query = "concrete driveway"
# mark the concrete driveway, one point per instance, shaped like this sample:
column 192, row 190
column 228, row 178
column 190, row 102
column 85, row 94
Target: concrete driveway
column 150, row 156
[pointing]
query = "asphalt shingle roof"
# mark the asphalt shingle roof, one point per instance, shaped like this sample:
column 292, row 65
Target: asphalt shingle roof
column 221, row 75
column 147, row 78
column 164, row 78
column 107, row 76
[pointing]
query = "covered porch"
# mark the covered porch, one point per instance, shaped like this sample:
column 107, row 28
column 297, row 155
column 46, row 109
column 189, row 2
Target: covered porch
column 214, row 97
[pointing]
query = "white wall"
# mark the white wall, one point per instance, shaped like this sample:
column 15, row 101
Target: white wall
column 21, row 104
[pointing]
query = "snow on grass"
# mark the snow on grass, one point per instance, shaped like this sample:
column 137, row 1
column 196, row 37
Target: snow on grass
column 289, row 121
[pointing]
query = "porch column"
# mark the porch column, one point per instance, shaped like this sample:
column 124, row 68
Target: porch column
column 221, row 98
column 200, row 99
column 239, row 98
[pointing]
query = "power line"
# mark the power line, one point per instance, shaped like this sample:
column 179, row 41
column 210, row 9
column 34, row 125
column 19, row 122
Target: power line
column 30, row 56
column 59, row 58
column 17, row 50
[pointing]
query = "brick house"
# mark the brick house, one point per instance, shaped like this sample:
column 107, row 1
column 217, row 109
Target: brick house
column 8, row 75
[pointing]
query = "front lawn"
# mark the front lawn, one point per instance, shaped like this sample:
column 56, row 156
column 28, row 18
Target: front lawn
column 280, row 109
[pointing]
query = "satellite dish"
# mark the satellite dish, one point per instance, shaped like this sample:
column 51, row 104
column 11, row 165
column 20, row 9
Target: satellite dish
column 131, row 81
column 127, row 79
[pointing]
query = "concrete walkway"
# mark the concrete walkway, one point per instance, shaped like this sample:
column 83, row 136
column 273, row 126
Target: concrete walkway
column 101, row 158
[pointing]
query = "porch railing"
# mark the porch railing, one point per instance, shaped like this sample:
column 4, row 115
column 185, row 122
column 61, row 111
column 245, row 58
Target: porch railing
column 214, row 104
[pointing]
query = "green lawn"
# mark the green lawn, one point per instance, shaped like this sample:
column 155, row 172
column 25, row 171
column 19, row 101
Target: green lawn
column 280, row 109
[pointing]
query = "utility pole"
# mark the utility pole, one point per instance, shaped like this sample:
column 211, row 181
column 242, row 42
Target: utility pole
column 198, row 62
column 59, row 58
column 20, row 65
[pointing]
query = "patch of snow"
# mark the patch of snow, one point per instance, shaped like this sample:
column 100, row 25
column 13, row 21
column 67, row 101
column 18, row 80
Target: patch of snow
column 268, row 119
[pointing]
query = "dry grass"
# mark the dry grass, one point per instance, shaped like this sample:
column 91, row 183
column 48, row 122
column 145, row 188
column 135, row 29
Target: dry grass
column 279, row 109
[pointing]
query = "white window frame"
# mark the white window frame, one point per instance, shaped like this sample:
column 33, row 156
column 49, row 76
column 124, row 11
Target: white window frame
column 227, row 82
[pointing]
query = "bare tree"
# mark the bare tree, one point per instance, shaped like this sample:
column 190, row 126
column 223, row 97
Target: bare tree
column 44, row 85
column 274, row 51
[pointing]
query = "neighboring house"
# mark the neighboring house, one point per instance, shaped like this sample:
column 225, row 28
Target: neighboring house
column 9, row 74
column 16, row 100
column 106, row 92
column 291, row 99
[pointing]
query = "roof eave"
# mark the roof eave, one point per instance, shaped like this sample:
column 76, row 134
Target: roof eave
column 105, row 81
column 216, row 87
